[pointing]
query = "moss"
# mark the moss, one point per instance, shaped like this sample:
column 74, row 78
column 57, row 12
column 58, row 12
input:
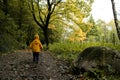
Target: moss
column 102, row 58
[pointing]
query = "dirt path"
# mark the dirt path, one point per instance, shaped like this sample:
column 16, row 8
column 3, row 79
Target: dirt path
column 19, row 66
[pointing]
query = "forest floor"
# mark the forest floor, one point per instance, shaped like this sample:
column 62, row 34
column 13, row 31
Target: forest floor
column 19, row 66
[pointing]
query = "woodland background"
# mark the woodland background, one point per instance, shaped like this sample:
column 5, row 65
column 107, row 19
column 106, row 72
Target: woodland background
column 68, row 22
column 65, row 27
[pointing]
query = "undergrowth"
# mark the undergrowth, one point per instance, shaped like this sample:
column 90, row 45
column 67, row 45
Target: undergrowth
column 69, row 51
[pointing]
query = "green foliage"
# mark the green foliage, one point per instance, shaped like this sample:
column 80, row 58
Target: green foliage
column 69, row 51
column 93, row 31
column 8, row 30
column 65, row 50
column 17, row 27
column 113, row 77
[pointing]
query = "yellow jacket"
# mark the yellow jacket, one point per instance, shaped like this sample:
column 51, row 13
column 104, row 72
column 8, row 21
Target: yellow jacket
column 36, row 45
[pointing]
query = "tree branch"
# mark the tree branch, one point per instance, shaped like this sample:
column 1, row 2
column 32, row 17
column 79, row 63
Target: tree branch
column 33, row 13
column 39, row 12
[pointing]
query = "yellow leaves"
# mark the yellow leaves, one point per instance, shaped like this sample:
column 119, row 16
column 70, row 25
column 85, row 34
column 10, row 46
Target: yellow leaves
column 71, row 8
column 78, row 35
column 51, row 26
column 72, row 39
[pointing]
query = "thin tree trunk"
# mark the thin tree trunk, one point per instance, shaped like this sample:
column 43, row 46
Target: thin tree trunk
column 20, row 14
column 115, row 19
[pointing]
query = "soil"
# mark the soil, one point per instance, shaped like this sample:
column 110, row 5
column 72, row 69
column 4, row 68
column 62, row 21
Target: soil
column 19, row 66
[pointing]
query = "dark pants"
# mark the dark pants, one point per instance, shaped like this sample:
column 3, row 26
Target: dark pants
column 35, row 57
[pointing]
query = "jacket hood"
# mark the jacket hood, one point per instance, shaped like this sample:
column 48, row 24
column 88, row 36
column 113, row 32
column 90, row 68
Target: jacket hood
column 36, row 36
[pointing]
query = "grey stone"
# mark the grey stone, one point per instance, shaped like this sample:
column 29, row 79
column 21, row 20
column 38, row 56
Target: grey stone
column 93, row 57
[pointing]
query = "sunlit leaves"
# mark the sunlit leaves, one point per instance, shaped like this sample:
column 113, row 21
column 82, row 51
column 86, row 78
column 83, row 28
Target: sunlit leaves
column 69, row 13
column 77, row 36
column 72, row 13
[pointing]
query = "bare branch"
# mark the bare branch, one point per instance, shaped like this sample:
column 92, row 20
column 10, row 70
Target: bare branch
column 33, row 13
column 54, row 6
column 49, row 5
column 39, row 11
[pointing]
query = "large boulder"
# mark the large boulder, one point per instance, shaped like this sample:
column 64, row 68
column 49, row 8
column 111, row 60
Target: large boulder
column 96, row 57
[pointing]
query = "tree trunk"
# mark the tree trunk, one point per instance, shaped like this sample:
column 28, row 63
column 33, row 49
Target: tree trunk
column 44, row 22
column 46, row 37
column 115, row 19
column 6, row 6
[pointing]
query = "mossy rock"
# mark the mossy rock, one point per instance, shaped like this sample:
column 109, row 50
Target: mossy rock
column 95, row 57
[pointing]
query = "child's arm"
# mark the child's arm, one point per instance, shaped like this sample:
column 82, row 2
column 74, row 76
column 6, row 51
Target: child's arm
column 41, row 47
